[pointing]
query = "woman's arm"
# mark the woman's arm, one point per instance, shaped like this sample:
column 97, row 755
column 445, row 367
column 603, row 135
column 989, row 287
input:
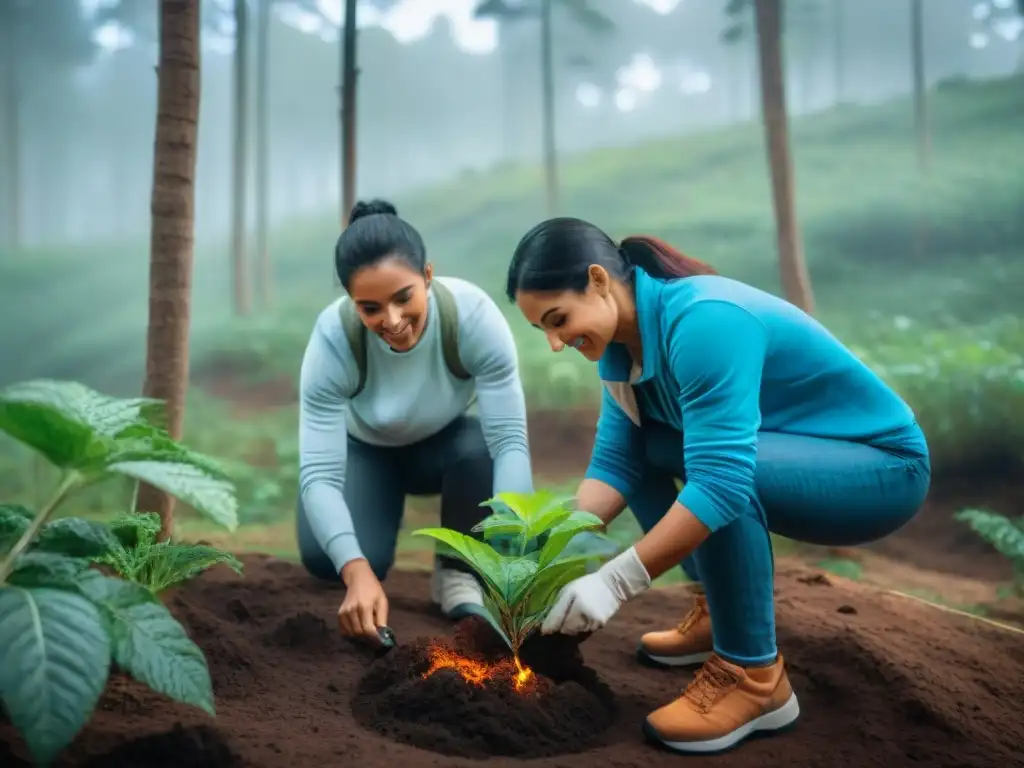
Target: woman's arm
column 615, row 463
column 323, row 447
column 488, row 351
column 716, row 354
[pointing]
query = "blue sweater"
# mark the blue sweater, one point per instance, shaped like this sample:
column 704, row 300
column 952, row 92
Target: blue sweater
column 721, row 361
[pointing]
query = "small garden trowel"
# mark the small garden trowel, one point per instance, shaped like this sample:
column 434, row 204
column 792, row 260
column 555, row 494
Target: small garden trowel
column 387, row 640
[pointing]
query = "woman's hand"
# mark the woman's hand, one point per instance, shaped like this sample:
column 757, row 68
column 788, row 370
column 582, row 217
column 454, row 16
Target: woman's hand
column 589, row 602
column 365, row 607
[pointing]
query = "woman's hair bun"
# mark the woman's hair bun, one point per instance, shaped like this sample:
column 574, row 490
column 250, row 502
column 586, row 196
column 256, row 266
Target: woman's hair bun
column 362, row 208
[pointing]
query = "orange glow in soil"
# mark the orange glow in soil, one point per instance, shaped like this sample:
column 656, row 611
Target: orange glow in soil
column 476, row 672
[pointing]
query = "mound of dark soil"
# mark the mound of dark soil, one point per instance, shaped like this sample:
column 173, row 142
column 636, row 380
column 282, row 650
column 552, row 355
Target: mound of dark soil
column 563, row 707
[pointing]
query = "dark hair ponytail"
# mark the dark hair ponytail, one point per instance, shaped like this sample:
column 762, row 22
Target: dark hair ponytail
column 556, row 256
column 659, row 259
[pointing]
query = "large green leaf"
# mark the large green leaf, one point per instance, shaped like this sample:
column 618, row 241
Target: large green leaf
column 75, row 537
column 211, row 496
column 149, row 643
column 66, row 421
column 54, row 662
column 144, row 442
column 46, row 569
column 561, row 534
column 481, row 557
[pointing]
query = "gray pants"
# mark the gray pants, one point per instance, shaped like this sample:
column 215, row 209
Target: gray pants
column 453, row 463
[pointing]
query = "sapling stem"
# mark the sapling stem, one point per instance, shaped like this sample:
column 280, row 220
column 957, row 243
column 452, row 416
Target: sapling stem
column 67, row 483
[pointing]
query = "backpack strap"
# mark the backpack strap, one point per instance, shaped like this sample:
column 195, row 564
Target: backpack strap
column 448, row 311
column 355, row 332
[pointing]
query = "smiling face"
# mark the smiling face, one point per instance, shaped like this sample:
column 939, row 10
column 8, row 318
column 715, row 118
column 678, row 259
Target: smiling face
column 585, row 321
column 392, row 300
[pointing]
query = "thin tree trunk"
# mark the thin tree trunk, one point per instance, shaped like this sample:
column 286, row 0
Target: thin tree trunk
column 241, row 279
column 10, row 104
column 509, row 72
column 839, row 52
column 796, row 282
column 548, row 109
column 920, row 86
column 172, row 230
column 349, row 77
column 922, row 129
column 264, row 273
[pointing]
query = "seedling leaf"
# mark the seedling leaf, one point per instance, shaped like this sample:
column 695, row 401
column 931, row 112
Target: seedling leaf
column 479, row 556
column 521, row 589
column 211, row 496
column 148, row 642
column 499, row 525
column 545, row 588
column 54, row 661
column 563, row 532
column 518, row 574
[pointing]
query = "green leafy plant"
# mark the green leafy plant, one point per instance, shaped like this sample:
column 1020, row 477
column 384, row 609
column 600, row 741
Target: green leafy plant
column 62, row 622
column 138, row 557
column 521, row 587
column 1004, row 534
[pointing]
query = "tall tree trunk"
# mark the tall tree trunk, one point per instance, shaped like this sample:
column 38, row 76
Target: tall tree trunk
column 509, row 73
column 796, row 283
column 241, row 279
column 923, row 133
column 548, row 109
column 839, row 50
column 922, row 130
column 172, row 230
column 349, row 76
column 264, row 273
column 10, row 134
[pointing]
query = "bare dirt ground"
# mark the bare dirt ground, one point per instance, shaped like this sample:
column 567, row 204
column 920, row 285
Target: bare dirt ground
column 882, row 681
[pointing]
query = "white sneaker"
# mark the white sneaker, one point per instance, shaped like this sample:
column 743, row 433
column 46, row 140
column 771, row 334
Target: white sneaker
column 457, row 593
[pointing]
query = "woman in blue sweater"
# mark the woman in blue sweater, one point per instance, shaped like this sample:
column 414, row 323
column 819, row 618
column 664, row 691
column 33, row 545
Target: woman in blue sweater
column 387, row 378
column 770, row 423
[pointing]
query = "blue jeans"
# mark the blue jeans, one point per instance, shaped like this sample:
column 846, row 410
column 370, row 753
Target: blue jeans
column 454, row 463
column 812, row 490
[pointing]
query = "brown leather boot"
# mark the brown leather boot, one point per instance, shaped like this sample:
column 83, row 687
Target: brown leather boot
column 724, row 705
column 686, row 644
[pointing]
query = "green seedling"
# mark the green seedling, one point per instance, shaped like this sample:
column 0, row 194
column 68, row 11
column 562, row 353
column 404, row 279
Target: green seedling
column 521, row 587
column 138, row 557
column 62, row 622
column 1004, row 534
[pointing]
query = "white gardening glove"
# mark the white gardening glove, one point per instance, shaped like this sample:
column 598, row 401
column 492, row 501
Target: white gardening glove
column 590, row 601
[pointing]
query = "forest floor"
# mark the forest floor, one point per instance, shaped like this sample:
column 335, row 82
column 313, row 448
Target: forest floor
column 882, row 680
